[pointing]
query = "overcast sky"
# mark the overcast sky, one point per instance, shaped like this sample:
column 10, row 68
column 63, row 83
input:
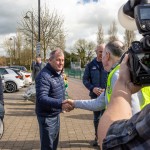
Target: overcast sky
column 81, row 20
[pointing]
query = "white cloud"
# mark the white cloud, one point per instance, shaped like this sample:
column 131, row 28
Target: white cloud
column 81, row 21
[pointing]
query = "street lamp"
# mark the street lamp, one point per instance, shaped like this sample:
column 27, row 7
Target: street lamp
column 27, row 17
column 14, row 40
column 38, row 43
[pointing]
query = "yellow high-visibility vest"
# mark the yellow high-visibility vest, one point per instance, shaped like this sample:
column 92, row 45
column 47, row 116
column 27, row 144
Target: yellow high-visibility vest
column 145, row 90
column 109, row 86
column 146, row 96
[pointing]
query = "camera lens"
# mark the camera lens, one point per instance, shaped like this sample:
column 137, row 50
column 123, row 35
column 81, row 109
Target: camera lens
column 147, row 42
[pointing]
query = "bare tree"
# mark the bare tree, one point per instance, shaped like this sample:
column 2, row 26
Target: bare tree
column 129, row 37
column 100, row 35
column 113, row 32
column 15, row 49
column 84, row 50
column 8, row 46
column 3, row 61
column 19, row 47
column 52, row 31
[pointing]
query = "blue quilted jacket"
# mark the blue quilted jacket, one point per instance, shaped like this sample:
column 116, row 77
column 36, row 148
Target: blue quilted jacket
column 94, row 76
column 50, row 92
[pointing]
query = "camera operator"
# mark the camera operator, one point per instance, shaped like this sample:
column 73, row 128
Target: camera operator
column 122, row 130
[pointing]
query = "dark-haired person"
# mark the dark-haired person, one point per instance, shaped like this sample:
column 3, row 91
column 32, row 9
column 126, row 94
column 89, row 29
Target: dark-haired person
column 37, row 66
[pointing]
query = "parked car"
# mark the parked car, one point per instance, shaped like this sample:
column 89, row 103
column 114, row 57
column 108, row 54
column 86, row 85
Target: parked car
column 25, row 75
column 13, row 80
column 19, row 67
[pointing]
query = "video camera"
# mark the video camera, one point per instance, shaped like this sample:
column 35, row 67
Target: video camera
column 139, row 51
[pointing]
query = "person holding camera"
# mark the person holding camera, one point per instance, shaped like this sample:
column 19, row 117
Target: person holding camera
column 122, row 130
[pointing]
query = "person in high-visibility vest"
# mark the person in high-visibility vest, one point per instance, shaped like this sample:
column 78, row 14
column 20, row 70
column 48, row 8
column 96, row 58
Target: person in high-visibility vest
column 110, row 58
column 122, row 130
column 144, row 94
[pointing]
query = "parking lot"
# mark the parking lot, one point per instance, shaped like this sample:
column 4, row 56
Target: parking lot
column 21, row 128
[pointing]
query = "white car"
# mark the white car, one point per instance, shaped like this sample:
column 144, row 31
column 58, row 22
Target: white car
column 27, row 77
column 13, row 81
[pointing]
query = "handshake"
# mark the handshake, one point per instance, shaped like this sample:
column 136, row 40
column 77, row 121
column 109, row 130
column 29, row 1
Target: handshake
column 68, row 105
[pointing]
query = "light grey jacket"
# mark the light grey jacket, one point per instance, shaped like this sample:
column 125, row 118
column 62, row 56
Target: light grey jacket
column 101, row 102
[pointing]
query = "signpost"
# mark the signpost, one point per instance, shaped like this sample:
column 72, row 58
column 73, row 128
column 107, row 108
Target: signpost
column 38, row 46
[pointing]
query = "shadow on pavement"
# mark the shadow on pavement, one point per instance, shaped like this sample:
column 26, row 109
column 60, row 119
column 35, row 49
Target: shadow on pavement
column 20, row 113
column 30, row 145
column 19, row 104
column 81, row 116
column 76, row 144
column 18, row 145
column 13, row 98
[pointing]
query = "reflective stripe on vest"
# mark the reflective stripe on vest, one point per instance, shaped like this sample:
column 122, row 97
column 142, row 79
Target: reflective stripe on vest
column 146, row 96
column 109, row 86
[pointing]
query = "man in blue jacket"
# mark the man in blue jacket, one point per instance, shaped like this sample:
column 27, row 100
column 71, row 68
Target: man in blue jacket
column 50, row 92
column 94, row 79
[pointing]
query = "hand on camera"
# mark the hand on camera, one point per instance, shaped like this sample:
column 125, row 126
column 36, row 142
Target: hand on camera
column 124, row 76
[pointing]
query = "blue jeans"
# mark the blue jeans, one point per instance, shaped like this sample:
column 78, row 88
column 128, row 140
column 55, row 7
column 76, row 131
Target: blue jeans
column 97, row 115
column 49, row 132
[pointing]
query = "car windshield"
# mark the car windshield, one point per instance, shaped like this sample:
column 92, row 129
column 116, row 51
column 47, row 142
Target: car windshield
column 19, row 67
column 10, row 71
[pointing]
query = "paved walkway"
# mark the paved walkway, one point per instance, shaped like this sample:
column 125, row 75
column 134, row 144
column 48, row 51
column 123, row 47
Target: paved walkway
column 21, row 128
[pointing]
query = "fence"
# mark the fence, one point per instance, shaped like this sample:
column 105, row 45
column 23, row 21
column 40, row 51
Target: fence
column 75, row 73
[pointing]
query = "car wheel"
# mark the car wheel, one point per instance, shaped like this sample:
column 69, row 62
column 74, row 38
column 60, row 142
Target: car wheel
column 10, row 87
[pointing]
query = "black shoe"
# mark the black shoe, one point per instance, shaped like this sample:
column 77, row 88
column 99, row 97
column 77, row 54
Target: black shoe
column 95, row 143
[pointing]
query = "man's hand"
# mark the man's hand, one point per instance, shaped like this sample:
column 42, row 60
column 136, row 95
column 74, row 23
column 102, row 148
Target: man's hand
column 98, row 91
column 68, row 105
column 124, row 76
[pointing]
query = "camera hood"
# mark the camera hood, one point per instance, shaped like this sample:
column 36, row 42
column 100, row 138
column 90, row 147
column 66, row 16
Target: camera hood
column 126, row 21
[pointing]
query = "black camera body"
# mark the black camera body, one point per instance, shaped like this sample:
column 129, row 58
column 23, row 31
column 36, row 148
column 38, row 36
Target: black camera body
column 142, row 18
column 139, row 63
column 139, row 52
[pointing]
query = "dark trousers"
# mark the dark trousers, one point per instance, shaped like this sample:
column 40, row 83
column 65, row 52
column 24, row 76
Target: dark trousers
column 2, row 111
column 97, row 115
column 49, row 132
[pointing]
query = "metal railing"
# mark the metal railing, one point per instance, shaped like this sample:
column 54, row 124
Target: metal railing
column 75, row 73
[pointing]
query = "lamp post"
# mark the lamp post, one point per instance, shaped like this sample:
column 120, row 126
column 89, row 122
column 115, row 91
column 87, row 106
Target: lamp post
column 38, row 43
column 14, row 42
column 27, row 17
